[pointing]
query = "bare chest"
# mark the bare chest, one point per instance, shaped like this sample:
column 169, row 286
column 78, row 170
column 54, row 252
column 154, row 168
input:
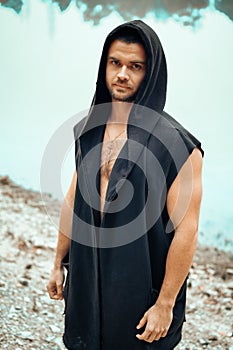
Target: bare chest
column 109, row 154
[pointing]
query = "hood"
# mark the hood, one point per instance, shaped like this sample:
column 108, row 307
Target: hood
column 152, row 91
column 150, row 100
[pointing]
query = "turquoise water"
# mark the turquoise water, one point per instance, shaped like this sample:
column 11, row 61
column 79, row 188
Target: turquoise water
column 48, row 69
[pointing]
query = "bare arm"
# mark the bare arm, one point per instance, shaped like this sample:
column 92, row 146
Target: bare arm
column 183, row 246
column 183, row 204
column 55, row 284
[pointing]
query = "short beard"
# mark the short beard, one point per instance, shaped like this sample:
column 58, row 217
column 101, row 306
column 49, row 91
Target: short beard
column 129, row 98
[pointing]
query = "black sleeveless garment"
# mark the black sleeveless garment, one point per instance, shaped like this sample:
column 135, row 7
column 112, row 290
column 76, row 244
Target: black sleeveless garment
column 116, row 265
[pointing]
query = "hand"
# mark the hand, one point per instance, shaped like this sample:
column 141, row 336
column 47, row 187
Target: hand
column 158, row 320
column 55, row 284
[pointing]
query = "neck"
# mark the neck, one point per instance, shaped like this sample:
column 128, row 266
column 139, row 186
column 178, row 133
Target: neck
column 120, row 111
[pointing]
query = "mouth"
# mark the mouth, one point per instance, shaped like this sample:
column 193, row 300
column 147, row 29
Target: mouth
column 122, row 86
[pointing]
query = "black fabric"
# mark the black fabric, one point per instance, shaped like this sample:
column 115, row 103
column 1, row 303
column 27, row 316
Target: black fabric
column 152, row 92
column 110, row 286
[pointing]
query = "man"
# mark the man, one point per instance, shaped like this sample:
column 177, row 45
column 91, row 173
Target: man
column 129, row 240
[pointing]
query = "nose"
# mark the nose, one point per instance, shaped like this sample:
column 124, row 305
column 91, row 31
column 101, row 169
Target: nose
column 122, row 74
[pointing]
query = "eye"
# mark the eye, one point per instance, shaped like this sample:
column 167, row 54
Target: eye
column 115, row 62
column 136, row 66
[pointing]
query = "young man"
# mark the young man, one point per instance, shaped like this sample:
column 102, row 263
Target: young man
column 135, row 195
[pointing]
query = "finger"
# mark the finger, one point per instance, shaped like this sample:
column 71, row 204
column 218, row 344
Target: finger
column 151, row 337
column 52, row 292
column 164, row 333
column 145, row 335
column 150, row 329
column 142, row 321
column 157, row 335
column 148, row 338
column 60, row 291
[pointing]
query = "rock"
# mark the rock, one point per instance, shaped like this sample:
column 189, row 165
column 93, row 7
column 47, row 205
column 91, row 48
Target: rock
column 39, row 243
column 23, row 283
column 49, row 339
column 230, row 286
column 213, row 337
column 38, row 252
column 222, row 333
column 35, row 306
column 52, row 245
column 17, row 307
column 10, row 260
column 2, row 284
column 5, row 180
column 22, row 244
column 27, row 299
column 28, row 266
column 211, row 293
column 26, row 335
column 10, row 234
column 203, row 342
column 228, row 307
column 54, row 329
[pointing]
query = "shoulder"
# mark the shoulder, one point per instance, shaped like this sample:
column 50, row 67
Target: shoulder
column 196, row 157
column 195, row 160
column 180, row 134
column 178, row 147
column 190, row 172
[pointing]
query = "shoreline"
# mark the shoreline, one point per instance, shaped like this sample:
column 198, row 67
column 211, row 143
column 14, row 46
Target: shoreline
column 30, row 320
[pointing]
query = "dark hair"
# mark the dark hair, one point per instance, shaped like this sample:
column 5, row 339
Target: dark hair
column 127, row 35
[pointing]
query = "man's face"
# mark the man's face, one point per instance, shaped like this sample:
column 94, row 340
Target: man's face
column 125, row 70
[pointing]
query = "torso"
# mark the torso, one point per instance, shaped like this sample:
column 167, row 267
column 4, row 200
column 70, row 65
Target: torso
column 109, row 154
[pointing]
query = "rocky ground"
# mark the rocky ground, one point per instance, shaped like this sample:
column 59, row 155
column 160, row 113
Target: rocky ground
column 30, row 320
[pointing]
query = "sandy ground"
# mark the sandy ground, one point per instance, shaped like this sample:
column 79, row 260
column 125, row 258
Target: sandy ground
column 30, row 320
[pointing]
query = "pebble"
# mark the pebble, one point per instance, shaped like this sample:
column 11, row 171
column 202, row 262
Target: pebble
column 38, row 243
column 26, row 335
column 213, row 337
column 54, row 329
column 203, row 342
column 23, row 283
column 28, row 266
column 17, row 307
column 2, row 284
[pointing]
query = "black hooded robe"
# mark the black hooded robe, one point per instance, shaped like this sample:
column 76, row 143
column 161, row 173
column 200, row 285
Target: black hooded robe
column 115, row 275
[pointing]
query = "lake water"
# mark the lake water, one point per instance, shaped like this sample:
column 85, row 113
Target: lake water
column 49, row 61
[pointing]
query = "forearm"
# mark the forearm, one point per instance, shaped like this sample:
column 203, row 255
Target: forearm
column 178, row 263
column 62, row 249
column 64, row 233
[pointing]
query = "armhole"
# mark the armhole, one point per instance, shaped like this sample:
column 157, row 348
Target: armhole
column 183, row 146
